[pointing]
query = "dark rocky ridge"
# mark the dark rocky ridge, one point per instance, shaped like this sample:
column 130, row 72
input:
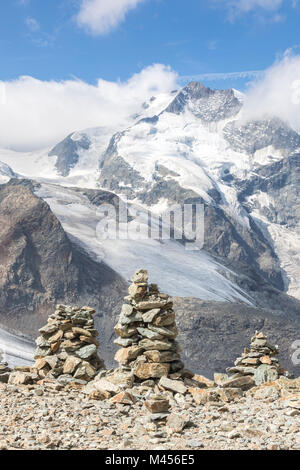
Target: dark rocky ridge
column 281, row 181
column 6, row 171
column 67, row 153
column 256, row 135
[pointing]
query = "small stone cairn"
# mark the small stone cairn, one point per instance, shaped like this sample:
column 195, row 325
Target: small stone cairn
column 259, row 362
column 146, row 332
column 67, row 347
column 4, row 369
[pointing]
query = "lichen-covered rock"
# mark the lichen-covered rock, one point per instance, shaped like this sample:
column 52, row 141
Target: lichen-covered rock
column 265, row 373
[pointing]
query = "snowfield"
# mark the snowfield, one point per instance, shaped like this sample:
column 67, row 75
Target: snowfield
column 15, row 349
column 176, row 270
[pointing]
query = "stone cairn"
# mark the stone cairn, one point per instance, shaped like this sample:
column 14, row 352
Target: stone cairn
column 4, row 369
column 146, row 333
column 259, row 362
column 67, row 347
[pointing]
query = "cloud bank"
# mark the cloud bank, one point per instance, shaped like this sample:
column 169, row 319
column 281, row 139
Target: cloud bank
column 35, row 114
column 101, row 16
column 277, row 93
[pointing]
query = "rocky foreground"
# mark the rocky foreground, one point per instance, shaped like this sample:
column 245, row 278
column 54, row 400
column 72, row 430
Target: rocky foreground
column 38, row 417
column 69, row 400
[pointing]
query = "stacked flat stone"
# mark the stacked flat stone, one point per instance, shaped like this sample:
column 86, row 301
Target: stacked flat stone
column 260, row 361
column 68, row 346
column 4, row 370
column 147, row 331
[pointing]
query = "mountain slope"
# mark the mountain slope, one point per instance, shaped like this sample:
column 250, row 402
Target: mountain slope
column 16, row 348
column 40, row 266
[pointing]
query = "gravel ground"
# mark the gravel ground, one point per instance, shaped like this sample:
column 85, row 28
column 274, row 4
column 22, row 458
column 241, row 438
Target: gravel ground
column 37, row 418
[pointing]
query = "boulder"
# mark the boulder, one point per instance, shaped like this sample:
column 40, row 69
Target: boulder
column 265, row 373
column 150, row 370
column 175, row 386
column 157, row 404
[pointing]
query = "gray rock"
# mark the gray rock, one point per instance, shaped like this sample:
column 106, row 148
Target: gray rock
column 173, row 385
column 149, row 316
column 265, row 373
column 146, row 333
column 86, row 352
column 4, row 377
column 194, row 444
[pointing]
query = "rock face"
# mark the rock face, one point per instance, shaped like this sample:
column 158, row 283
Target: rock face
column 147, row 331
column 215, row 333
column 68, row 346
column 67, row 153
column 6, row 173
column 260, row 362
column 256, row 135
column 281, row 182
column 206, row 104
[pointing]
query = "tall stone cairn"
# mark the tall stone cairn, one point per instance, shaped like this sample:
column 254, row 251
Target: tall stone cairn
column 147, row 331
column 260, row 361
column 68, row 346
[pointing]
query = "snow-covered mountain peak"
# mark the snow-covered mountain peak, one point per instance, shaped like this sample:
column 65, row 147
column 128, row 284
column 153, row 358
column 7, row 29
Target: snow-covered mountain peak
column 207, row 104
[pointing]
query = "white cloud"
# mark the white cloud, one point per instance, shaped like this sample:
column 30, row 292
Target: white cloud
column 101, row 16
column 277, row 93
column 222, row 76
column 248, row 5
column 237, row 7
column 35, row 114
column 32, row 24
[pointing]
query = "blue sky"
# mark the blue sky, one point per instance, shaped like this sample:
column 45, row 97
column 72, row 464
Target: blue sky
column 45, row 38
column 68, row 65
